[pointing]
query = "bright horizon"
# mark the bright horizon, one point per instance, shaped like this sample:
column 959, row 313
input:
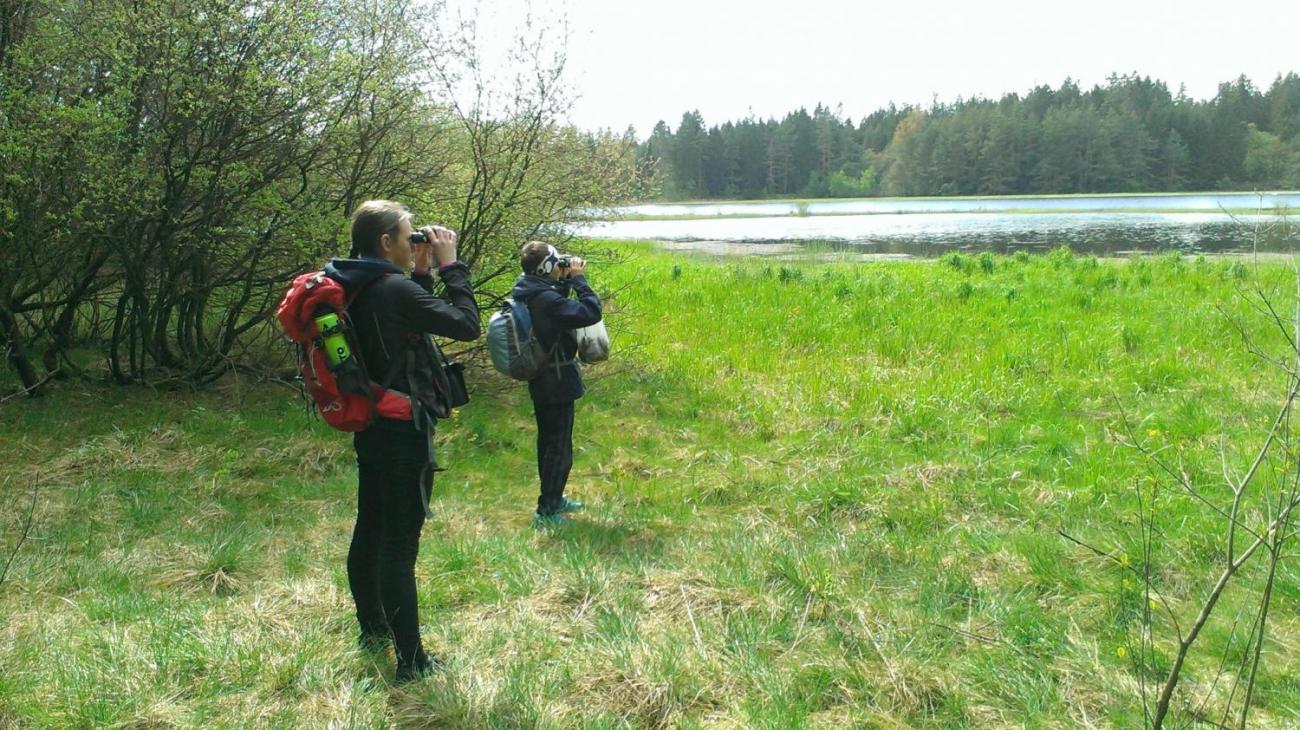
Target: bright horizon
column 638, row 64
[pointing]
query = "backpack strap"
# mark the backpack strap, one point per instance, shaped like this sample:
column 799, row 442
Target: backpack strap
column 559, row 363
column 349, row 298
column 553, row 351
column 424, row 422
column 394, row 368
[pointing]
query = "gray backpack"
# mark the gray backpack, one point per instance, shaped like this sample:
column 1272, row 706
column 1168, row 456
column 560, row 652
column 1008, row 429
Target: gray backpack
column 513, row 345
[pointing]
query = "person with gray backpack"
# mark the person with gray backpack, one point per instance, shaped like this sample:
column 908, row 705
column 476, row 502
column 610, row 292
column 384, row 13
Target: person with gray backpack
column 533, row 339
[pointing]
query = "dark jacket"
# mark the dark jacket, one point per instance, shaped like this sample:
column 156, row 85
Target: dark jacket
column 392, row 314
column 554, row 316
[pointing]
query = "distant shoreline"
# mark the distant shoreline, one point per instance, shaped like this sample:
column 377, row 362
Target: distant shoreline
column 1009, row 211
column 1023, row 196
column 1236, row 204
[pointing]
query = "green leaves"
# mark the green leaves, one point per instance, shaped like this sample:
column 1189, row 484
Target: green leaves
column 208, row 151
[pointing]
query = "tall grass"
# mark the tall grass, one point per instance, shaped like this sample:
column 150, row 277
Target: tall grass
column 823, row 495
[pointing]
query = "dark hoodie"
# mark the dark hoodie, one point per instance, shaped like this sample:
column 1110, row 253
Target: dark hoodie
column 392, row 313
column 555, row 315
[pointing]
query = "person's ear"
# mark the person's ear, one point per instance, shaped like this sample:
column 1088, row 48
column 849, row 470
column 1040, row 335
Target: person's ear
column 385, row 243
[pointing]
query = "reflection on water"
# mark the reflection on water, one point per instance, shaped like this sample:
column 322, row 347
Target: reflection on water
column 933, row 234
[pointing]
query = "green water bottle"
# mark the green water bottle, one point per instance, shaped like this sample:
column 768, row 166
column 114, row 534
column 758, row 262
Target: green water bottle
column 331, row 333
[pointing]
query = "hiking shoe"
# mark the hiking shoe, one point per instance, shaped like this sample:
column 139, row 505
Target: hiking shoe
column 571, row 505
column 424, row 666
column 545, row 522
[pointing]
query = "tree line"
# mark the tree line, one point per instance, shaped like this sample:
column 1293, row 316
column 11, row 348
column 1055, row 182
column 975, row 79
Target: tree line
column 167, row 166
column 1131, row 134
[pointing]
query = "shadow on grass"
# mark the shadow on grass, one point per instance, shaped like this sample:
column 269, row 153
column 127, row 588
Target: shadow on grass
column 606, row 536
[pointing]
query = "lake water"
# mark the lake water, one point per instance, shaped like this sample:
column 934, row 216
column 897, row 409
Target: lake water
column 1100, row 225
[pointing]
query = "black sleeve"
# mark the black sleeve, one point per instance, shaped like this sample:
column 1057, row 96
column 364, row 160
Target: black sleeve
column 571, row 313
column 455, row 316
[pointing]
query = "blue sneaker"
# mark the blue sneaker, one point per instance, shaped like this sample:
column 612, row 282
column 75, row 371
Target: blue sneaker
column 571, row 505
column 546, row 522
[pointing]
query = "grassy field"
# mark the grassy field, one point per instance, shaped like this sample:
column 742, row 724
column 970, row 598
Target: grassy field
column 822, row 495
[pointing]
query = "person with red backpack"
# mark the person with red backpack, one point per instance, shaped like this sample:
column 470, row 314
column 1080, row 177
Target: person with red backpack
column 392, row 317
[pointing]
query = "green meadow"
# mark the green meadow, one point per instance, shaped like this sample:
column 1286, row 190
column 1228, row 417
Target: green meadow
column 820, row 495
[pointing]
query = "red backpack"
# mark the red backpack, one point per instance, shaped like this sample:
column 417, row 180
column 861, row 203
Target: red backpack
column 345, row 395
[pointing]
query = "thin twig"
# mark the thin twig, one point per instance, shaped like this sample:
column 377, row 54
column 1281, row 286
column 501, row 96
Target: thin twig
column 32, row 388
column 699, row 643
column 1185, row 644
column 26, row 522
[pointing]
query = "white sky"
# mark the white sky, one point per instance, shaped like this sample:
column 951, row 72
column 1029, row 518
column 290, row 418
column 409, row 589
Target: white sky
column 637, row 63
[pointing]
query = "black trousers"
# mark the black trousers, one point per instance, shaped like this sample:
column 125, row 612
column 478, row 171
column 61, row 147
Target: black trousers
column 554, row 452
column 391, row 457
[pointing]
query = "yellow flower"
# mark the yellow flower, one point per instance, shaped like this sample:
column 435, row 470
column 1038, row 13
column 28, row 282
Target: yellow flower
column 1123, row 559
column 1121, row 652
column 1153, row 432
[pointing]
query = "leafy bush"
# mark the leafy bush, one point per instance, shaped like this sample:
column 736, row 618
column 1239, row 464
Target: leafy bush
column 169, row 168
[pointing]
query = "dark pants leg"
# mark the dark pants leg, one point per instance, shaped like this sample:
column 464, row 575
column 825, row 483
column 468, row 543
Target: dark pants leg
column 554, row 452
column 363, row 556
column 386, row 540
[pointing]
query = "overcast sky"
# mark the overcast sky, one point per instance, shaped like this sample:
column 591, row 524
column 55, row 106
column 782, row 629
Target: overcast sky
column 637, row 63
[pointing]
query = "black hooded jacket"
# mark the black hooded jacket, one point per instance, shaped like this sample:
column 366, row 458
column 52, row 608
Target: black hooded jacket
column 555, row 315
column 391, row 313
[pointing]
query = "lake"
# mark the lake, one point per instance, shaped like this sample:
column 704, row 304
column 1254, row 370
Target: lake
column 927, row 227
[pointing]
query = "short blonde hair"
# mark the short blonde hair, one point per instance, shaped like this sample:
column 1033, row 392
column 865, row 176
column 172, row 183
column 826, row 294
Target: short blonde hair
column 373, row 219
